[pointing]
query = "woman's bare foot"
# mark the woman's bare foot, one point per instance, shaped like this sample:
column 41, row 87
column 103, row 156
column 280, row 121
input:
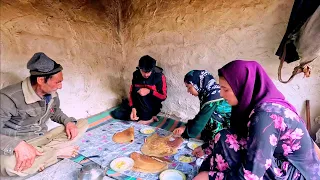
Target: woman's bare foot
column 68, row 152
column 146, row 122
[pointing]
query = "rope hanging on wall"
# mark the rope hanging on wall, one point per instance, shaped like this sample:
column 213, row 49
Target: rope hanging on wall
column 301, row 68
column 301, row 41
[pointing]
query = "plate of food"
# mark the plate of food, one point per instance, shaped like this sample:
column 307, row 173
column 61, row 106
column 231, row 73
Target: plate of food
column 172, row 174
column 185, row 158
column 193, row 144
column 122, row 164
column 147, row 130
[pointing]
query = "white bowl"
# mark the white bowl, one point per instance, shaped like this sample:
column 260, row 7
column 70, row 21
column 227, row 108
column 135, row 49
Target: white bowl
column 172, row 174
column 122, row 164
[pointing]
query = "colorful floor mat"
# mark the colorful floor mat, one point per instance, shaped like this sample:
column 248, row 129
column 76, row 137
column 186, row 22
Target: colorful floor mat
column 163, row 123
column 104, row 117
column 99, row 145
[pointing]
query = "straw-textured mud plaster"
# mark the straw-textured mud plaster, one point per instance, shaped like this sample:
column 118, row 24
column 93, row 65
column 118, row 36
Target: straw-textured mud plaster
column 80, row 35
column 192, row 34
column 100, row 42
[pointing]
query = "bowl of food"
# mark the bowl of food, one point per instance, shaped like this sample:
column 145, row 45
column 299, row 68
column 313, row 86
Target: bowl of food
column 193, row 144
column 147, row 130
column 122, row 164
column 172, row 174
column 185, row 158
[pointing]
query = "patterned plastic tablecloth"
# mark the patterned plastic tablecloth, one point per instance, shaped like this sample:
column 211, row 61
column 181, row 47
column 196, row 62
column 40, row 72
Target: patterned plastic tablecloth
column 98, row 143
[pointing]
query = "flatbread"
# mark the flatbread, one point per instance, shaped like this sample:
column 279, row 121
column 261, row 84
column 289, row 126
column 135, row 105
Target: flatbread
column 157, row 146
column 125, row 136
column 146, row 164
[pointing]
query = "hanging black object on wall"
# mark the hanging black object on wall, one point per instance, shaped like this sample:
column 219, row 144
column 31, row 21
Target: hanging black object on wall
column 301, row 40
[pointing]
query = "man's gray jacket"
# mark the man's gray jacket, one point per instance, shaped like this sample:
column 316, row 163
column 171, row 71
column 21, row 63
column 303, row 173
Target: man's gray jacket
column 23, row 115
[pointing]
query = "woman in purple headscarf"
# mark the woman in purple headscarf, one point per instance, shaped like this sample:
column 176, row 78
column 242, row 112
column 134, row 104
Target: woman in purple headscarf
column 278, row 143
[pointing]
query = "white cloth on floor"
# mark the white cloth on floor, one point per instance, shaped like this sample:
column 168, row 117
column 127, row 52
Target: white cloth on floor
column 51, row 124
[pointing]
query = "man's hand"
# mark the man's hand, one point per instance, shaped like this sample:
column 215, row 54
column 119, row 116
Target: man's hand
column 178, row 131
column 144, row 91
column 198, row 152
column 25, row 156
column 133, row 115
column 71, row 130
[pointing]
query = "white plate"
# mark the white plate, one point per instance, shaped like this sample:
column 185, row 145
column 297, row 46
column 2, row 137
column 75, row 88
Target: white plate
column 147, row 130
column 122, row 164
column 172, row 174
column 192, row 145
column 180, row 157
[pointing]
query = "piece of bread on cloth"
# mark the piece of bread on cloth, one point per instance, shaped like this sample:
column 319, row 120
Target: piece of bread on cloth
column 157, row 146
column 146, row 164
column 124, row 136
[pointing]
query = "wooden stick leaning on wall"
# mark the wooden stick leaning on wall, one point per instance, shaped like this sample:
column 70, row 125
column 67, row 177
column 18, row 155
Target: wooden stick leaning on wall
column 309, row 126
column 308, row 115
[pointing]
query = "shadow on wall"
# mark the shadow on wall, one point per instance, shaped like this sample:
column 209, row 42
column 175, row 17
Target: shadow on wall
column 117, row 86
column 8, row 78
column 315, row 127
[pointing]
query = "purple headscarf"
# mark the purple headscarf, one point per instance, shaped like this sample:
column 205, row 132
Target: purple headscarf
column 252, row 87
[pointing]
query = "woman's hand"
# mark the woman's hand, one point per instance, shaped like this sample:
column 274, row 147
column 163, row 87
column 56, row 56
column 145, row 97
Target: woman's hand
column 178, row 131
column 198, row 152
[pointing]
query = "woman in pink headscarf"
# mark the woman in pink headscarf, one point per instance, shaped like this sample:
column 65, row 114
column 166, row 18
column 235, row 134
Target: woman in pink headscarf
column 278, row 143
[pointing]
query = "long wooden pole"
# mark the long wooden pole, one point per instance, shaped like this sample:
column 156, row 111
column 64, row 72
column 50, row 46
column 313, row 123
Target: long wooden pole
column 308, row 115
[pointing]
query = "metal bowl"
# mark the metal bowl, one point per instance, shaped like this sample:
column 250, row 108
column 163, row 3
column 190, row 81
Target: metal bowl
column 91, row 172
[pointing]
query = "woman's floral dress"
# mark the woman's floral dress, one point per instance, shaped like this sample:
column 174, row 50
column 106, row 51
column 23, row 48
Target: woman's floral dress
column 278, row 146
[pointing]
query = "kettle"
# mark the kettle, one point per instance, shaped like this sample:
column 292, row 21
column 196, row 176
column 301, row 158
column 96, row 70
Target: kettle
column 91, row 171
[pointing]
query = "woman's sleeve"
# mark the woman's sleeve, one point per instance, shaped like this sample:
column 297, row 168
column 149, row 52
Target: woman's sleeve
column 197, row 124
column 224, row 160
column 263, row 137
